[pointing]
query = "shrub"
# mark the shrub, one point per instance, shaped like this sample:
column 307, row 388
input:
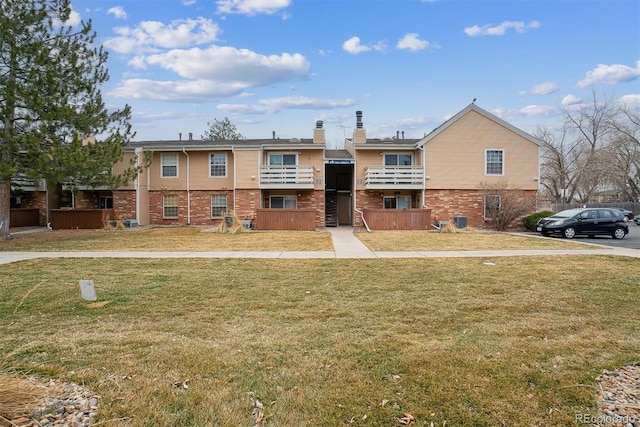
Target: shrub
column 531, row 220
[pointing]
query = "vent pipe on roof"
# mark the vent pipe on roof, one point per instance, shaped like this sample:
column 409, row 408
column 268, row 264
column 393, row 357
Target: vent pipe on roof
column 179, row 136
column 397, row 134
column 402, row 134
column 190, row 136
column 358, row 119
column 273, row 132
column 319, row 124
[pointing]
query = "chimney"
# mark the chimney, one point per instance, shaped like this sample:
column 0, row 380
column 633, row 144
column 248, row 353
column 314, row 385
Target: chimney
column 180, row 136
column 273, row 132
column 190, row 136
column 318, row 133
column 359, row 134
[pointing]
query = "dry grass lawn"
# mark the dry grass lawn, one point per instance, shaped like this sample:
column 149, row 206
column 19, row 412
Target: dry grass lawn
column 460, row 241
column 326, row 342
column 168, row 239
column 198, row 239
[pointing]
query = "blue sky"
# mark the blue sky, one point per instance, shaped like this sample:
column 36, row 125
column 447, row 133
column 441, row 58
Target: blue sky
column 280, row 65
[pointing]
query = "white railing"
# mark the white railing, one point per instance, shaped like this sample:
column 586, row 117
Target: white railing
column 385, row 177
column 298, row 176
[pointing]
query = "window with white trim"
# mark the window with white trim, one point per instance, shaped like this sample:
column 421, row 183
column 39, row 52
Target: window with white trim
column 494, row 162
column 218, row 205
column 283, row 159
column 170, row 206
column 491, row 205
column 217, row 165
column 398, row 159
column 169, row 165
column 397, row 202
column 283, row 202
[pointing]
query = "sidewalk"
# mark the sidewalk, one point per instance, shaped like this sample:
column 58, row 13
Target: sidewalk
column 346, row 246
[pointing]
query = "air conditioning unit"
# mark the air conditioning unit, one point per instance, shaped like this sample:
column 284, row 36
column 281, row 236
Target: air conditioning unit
column 460, row 221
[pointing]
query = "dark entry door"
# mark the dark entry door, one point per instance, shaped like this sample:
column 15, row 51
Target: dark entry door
column 344, row 208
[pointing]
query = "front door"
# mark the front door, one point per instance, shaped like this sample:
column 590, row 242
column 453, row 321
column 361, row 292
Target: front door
column 344, row 208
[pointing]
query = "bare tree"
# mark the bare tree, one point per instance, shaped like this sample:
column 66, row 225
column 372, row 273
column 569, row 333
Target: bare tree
column 625, row 153
column 576, row 159
column 504, row 204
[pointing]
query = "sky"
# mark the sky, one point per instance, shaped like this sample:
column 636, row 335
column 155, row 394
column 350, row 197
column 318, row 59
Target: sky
column 408, row 65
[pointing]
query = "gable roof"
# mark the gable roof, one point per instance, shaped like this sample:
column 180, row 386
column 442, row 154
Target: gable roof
column 473, row 107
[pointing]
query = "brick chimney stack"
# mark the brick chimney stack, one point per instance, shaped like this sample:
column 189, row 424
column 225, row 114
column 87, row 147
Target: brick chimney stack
column 359, row 133
column 318, row 133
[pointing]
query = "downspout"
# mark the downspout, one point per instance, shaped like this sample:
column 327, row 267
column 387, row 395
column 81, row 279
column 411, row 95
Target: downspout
column 424, row 177
column 235, row 174
column 355, row 192
column 137, row 152
column 188, row 191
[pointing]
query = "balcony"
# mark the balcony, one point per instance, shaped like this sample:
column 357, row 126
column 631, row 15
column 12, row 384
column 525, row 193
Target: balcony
column 283, row 177
column 393, row 177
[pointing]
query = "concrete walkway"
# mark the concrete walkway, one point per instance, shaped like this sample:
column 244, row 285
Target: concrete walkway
column 345, row 244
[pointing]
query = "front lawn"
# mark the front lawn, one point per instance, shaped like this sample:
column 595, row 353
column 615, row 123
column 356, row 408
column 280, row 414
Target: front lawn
column 461, row 342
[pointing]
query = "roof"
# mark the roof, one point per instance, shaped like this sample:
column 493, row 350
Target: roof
column 473, row 107
column 377, row 143
column 337, row 154
column 200, row 145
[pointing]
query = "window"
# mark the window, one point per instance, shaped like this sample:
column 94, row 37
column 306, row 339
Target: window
column 169, row 165
column 282, row 160
column 217, row 164
column 494, row 162
column 105, row 202
column 398, row 160
column 491, row 205
column 170, row 206
column 283, row 202
column 218, row 205
column 397, row 202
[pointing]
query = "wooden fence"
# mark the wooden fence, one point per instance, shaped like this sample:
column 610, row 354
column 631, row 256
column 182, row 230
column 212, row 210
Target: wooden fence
column 285, row 219
column 79, row 218
column 398, row 219
column 24, row 217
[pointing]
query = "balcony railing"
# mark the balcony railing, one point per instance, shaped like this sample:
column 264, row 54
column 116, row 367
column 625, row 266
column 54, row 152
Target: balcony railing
column 277, row 177
column 393, row 177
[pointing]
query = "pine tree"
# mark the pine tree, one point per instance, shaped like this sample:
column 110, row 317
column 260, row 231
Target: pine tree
column 50, row 102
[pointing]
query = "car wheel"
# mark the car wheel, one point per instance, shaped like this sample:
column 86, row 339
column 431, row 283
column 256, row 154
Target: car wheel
column 569, row 232
column 618, row 233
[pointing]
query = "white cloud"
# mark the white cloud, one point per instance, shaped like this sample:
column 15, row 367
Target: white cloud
column 354, row 46
column 631, row 100
column 500, row 30
column 212, row 73
column 542, row 89
column 148, row 36
column 118, row 12
column 231, row 64
column 194, row 90
column 538, row 110
column 188, row 2
column 274, row 105
column 611, row 74
column 411, row 41
column 251, row 7
column 570, row 100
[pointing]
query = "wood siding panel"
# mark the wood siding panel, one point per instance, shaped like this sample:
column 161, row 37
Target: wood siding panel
column 394, row 219
column 24, row 217
column 285, row 219
column 79, row 218
column 455, row 158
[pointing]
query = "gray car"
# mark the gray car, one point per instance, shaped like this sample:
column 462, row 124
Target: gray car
column 585, row 221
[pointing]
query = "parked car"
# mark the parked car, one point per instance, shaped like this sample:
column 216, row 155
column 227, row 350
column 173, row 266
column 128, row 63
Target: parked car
column 636, row 219
column 585, row 221
column 627, row 213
